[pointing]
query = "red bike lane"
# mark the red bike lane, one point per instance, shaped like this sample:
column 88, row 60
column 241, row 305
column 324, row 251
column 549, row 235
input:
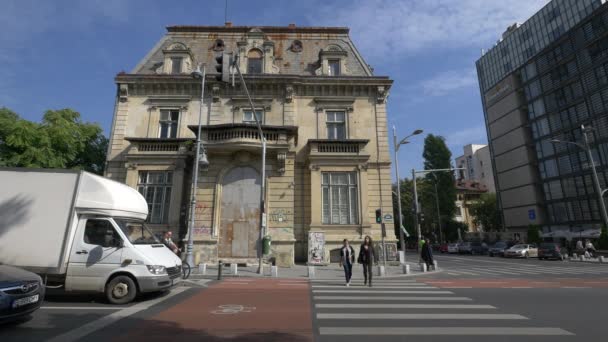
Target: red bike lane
column 234, row 310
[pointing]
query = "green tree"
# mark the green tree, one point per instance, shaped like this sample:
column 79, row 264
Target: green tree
column 534, row 234
column 407, row 207
column 437, row 156
column 485, row 212
column 60, row 140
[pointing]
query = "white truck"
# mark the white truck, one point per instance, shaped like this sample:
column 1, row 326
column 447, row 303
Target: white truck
column 83, row 232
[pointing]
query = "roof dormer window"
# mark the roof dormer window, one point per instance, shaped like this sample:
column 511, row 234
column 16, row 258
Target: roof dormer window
column 332, row 61
column 255, row 62
column 176, row 65
column 333, row 67
column 177, row 60
column 218, row 45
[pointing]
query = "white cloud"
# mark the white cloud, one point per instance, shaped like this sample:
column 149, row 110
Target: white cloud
column 448, row 81
column 385, row 28
column 469, row 135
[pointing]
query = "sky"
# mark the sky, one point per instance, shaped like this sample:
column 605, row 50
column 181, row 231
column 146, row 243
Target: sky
column 65, row 53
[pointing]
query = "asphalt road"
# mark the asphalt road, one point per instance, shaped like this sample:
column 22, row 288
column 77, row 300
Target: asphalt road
column 473, row 298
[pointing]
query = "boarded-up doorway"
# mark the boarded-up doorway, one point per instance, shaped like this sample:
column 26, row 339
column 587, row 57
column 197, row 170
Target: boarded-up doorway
column 240, row 214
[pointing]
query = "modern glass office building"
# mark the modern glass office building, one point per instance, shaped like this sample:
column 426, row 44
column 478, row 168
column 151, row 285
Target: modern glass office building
column 542, row 81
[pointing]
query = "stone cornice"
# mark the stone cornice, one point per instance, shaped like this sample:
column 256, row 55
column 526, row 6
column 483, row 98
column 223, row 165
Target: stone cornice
column 264, row 29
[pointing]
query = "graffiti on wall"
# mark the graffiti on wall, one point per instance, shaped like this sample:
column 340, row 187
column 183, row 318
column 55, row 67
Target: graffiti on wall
column 316, row 247
column 201, row 230
column 280, row 215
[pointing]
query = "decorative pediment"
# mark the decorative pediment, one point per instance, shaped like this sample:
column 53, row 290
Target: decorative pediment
column 337, row 103
column 239, row 102
column 168, row 101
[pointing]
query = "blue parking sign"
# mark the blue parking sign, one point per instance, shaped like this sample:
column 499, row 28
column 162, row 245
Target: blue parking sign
column 532, row 214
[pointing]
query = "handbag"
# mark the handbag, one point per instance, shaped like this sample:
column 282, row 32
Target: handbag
column 360, row 259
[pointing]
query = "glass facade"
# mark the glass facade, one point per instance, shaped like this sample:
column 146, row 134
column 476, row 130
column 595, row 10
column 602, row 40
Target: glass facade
column 538, row 32
column 566, row 86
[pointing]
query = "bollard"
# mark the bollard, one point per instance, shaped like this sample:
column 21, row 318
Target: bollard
column 422, row 267
column 381, row 271
column 219, row 270
column 274, row 271
column 582, row 258
column 202, row 269
column 234, row 269
column 311, row 271
column 406, row 269
column 435, row 268
column 601, row 259
column 574, row 256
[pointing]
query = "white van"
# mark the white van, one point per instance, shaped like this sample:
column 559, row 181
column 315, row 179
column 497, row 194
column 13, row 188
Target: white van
column 82, row 232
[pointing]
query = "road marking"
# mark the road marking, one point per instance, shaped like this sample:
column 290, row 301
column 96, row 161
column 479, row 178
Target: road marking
column 396, row 299
column 575, row 287
column 458, row 287
column 83, row 330
column 440, row 282
column 387, row 292
column 377, row 287
column 80, row 308
column 404, row 306
column 517, row 287
column 487, row 331
column 491, row 282
column 417, row 316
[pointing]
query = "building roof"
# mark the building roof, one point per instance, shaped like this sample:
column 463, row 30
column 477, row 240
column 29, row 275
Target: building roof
column 470, row 186
column 289, row 59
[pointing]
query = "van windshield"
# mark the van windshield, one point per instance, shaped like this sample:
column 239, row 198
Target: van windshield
column 137, row 232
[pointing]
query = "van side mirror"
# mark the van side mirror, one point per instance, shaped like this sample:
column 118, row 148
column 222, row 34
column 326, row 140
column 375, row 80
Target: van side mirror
column 118, row 243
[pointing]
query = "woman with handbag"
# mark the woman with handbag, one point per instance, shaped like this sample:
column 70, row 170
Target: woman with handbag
column 367, row 255
column 347, row 258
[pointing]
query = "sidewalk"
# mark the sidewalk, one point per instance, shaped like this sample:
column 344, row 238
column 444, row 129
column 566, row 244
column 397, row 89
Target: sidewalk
column 301, row 271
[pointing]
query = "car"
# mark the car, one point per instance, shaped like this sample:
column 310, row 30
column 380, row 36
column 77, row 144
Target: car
column 522, row 251
column 498, row 249
column 444, row 248
column 453, row 248
column 478, row 247
column 465, row 248
column 550, row 250
column 21, row 293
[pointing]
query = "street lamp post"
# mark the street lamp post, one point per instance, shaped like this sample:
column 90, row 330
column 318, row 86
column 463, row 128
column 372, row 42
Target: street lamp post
column 438, row 213
column 596, row 180
column 396, row 148
column 197, row 74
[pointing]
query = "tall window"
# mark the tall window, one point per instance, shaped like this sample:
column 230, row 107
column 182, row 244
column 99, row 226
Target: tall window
column 336, row 125
column 248, row 116
column 168, row 123
column 334, row 67
column 340, row 198
column 176, row 65
column 254, row 62
column 155, row 186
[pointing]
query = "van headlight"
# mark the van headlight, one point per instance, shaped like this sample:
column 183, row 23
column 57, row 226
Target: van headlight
column 156, row 269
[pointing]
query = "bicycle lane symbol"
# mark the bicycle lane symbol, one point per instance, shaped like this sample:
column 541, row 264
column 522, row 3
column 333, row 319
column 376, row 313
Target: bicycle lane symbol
column 232, row 309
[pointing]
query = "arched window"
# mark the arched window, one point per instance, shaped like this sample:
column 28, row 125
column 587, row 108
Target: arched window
column 254, row 62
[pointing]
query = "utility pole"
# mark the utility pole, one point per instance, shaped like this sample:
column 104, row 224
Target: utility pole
column 416, row 209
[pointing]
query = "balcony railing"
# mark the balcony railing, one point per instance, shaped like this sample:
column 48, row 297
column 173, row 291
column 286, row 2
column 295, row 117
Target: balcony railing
column 339, row 147
column 159, row 146
column 245, row 135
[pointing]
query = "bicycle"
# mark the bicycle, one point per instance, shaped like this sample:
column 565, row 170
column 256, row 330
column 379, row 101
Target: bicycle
column 186, row 270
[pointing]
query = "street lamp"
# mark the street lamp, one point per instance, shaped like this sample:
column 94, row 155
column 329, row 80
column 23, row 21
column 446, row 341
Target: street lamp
column 396, row 148
column 596, row 180
column 198, row 159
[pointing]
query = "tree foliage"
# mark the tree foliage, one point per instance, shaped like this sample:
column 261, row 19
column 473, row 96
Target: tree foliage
column 603, row 240
column 60, row 140
column 534, row 234
column 485, row 212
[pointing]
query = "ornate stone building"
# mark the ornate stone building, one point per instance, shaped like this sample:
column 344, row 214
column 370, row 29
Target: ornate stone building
column 324, row 118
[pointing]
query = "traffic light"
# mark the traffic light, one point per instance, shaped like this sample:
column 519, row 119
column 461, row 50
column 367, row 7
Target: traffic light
column 378, row 215
column 223, row 66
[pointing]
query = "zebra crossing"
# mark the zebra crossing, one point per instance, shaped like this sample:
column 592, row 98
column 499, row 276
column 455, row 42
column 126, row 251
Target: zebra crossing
column 394, row 308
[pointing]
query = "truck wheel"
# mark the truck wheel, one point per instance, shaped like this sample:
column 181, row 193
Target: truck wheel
column 121, row 290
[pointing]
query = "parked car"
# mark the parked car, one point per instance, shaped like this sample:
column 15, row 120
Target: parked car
column 550, row 250
column 453, row 248
column 21, row 293
column 479, row 248
column 464, row 248
column 443, row 248
column 522, row 251
column 498, row 249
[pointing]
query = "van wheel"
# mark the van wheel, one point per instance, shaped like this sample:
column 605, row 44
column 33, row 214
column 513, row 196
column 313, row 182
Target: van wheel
column 121, row 290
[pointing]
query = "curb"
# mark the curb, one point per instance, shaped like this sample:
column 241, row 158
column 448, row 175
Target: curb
column 389, row 276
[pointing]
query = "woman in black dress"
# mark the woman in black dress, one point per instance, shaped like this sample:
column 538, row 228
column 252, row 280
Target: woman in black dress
column 367, row 255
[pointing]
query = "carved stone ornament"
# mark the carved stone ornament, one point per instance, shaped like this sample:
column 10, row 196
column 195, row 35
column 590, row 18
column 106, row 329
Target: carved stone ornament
column 363, row 167
column 215, row 92
column 296, row 46
column 131, row 166
column 281, row 157
column 289, row 91
column 124, row 92
column 382, row 94
column 314, row 167
column 218, row 45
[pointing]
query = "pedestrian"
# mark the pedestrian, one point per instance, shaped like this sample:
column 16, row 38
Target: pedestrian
column 590, row 249
column 168, row 241
column 427, row 255
column 579, row 247
column 367, row 255
column 347, row 258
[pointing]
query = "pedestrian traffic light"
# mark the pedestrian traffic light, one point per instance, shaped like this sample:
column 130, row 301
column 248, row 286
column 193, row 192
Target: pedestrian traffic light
column 378, row 215
column 223, row 66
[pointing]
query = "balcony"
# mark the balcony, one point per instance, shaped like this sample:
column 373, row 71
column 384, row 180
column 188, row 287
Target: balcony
column 245, row 136
column 349, row 149
column 158, row 146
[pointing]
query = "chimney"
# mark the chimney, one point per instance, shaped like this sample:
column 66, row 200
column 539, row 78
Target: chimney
column 228, row 24
column 292, row 26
